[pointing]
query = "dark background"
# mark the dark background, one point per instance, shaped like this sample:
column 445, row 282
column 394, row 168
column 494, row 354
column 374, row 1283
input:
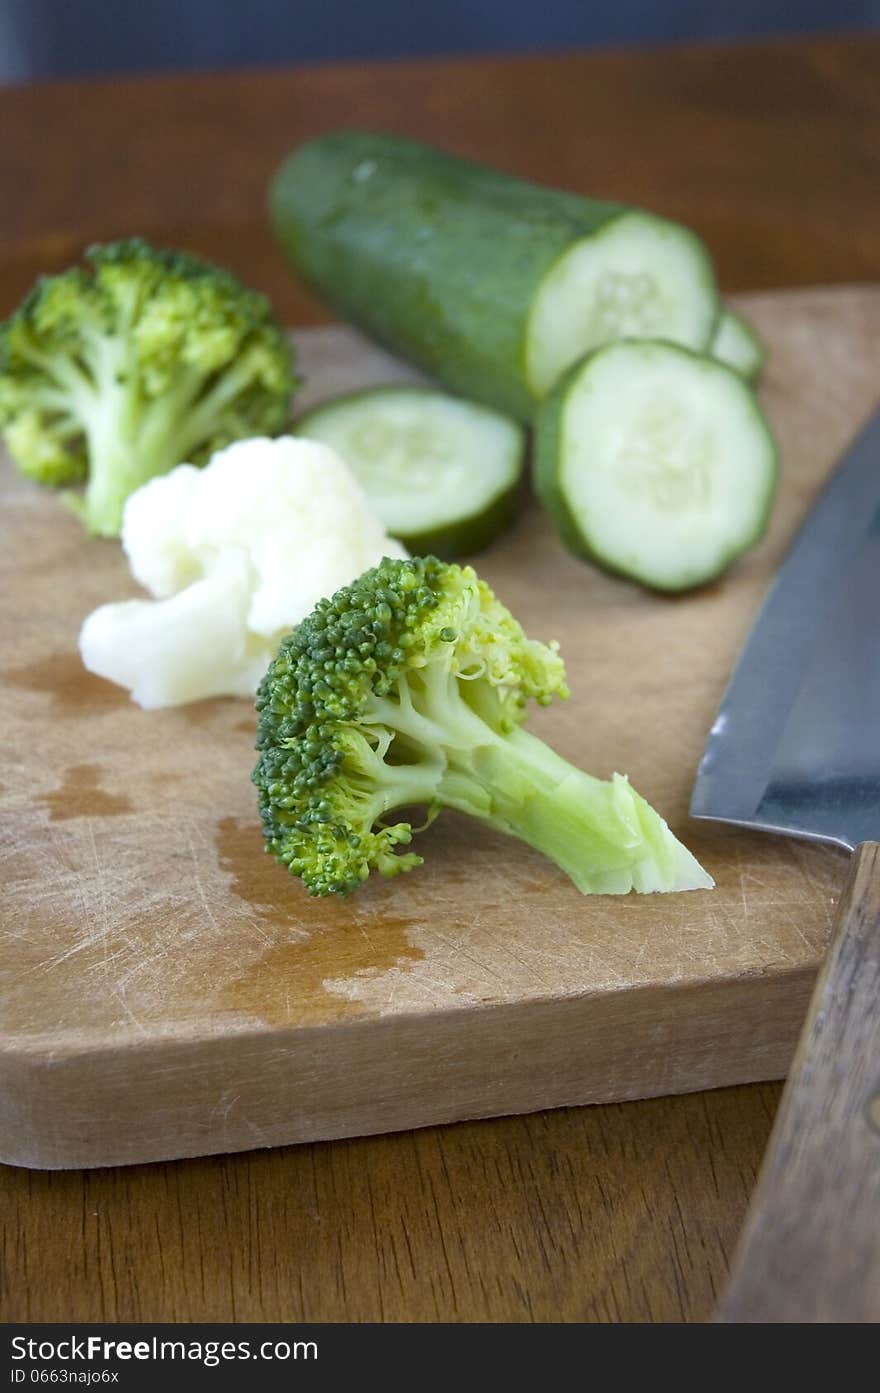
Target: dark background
column 62, row 38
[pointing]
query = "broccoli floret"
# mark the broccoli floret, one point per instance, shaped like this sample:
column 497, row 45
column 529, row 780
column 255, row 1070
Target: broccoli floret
column 408, row 689
column 116, row 371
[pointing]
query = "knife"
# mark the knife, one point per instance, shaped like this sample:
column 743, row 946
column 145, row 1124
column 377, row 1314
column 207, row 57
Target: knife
column 795, row 749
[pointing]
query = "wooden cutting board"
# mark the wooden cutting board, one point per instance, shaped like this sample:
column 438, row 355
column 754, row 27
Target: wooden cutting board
column 169, row 991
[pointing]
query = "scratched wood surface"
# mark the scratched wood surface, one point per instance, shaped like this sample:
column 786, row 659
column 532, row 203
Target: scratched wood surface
column 169, row 992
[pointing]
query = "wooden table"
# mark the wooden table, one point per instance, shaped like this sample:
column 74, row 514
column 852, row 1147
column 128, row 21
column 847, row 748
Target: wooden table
column 623, row 1213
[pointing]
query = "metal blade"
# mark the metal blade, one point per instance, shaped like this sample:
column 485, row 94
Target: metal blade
column 795, row 746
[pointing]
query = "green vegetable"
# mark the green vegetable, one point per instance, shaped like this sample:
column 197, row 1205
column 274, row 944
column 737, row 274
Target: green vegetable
column 115, row 372
column 655, row 463
column 442, row 474
column 408, row 688
column 736, row 344
column 492, row 284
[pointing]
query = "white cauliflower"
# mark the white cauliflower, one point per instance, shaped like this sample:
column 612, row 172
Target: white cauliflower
column 236, row 554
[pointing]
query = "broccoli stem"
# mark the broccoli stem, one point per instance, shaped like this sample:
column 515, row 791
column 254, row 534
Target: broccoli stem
column 118, row 465
column 601, row 833
column 130, row 441
column 521, row 786
column 232, row 382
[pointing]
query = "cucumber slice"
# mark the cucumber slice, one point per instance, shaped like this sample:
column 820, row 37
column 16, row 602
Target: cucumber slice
column 442, row 474
column 656, row 463
column 736, row 344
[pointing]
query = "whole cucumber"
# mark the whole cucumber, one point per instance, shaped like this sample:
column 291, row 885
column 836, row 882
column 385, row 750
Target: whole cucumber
column 492, row 284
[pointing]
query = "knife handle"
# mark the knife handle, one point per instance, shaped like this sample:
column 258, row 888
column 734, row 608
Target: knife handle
column 810, row 1248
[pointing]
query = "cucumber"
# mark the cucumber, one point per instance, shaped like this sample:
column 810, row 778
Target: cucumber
column 442, row 474
column 736, row 344
column 491, row 284
column 656, row 463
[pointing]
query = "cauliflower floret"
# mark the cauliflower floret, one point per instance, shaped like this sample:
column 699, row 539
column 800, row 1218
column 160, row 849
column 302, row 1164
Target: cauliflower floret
column 236, row 554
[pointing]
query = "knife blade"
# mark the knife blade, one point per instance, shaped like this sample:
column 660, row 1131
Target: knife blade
column 795, row 749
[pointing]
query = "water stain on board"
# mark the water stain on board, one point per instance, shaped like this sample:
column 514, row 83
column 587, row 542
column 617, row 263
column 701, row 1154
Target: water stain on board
column 80, row 795
column 73, row 688
column 335, row 940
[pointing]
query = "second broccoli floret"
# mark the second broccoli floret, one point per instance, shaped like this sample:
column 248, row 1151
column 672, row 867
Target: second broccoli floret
column 408, row 689
column 115, row 372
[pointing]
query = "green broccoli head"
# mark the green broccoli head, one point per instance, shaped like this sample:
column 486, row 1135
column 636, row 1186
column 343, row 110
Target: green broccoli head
column 117, row 371
column 407, row 689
